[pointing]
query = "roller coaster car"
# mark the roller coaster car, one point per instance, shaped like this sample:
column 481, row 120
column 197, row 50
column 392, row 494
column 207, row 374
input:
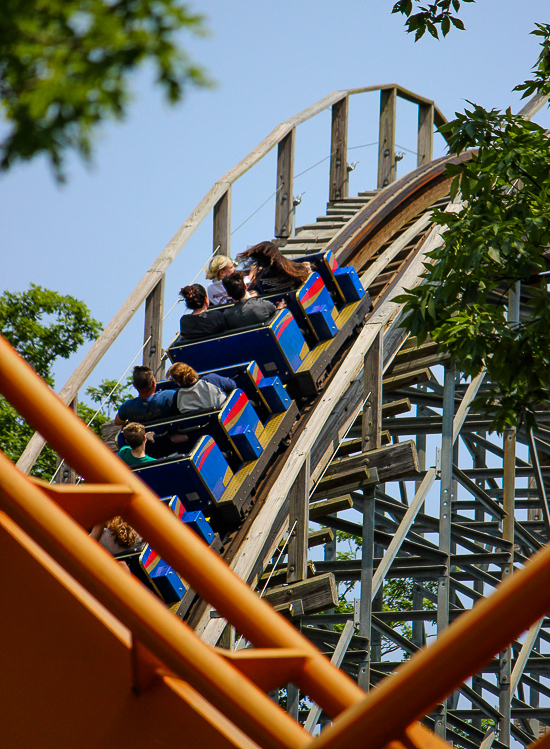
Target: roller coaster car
column 153, row 571
column 206, row 478
column 299, row 344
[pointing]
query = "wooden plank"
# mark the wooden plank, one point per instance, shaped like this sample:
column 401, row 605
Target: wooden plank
column 280, row 575
column 425, row 134
column 317, row 594
column 393, row 408
column 298, row 520
column 413, row 352
column 399, row 367
column 152, row 331
column 338, row 187
column 386, row 138
column 320, row 537
column 406, row 380
column 284, row 209
column 351, row 481
column 319, row 509
column 221, row 243
column 392, row 463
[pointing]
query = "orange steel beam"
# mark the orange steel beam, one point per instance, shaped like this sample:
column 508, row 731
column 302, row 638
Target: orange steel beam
column 150, row 622
column 206, row 572
column 438, row 669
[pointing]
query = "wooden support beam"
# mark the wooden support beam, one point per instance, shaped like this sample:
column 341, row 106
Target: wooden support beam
column 298, row 520
column 372, row 390
column 425, row 134
column 152, row 332
column 284, row 209
column 64, row 473
column 354, row 480
column 279, row 576
column 354, row 446
column 320, row 537
column 338, row 151
column 386, row 139
column 403, row 367
column 317, row 594
column 319, row 509
column 394, row 408
column 221, row 244
column 392, row 463
column 396, row 382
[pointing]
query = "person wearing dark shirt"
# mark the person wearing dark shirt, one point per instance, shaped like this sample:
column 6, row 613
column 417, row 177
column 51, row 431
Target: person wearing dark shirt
column 247, row 310
column 133, row 453
column 270, row 272
column 149, row 405
column 198, row 394
column 202, row 322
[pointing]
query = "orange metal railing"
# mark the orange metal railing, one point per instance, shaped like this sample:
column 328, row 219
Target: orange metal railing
column 51, row 516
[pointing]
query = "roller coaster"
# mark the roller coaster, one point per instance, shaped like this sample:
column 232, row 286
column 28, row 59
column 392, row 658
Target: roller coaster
column 184, row 650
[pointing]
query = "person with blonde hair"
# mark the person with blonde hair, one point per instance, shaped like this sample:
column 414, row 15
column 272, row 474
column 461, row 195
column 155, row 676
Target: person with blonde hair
column 220, row 266
column 199, row 394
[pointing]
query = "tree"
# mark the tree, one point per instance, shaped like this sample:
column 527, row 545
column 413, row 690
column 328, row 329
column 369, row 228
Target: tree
column 43, row 325
column 500, row 236
column 429, row 17
column 65, row 66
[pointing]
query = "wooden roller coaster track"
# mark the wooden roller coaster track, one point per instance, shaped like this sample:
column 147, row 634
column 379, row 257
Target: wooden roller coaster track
column 338, row 458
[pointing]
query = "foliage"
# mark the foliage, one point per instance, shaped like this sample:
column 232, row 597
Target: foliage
column 108, row 397
column 65, row 67
column 43, row 325
column 429, row 17
column 499, row 235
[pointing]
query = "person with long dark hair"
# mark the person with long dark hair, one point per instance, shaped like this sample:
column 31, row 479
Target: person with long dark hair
column 202, row 322
column 269, row 271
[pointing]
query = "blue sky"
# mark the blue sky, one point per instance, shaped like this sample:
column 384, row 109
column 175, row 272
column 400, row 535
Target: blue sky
column 96, row 236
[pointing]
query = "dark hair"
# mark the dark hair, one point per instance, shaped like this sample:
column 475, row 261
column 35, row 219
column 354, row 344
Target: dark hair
column 143, row 378
column 183, row 374
column 134, row 434
column 194, row 295
column 267, row 255
column 234, row 285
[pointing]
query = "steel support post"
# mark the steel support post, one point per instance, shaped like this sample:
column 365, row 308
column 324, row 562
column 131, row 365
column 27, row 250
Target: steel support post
column 505, row 660
column 446, row 498
column 418, row 627
column 367, row 566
